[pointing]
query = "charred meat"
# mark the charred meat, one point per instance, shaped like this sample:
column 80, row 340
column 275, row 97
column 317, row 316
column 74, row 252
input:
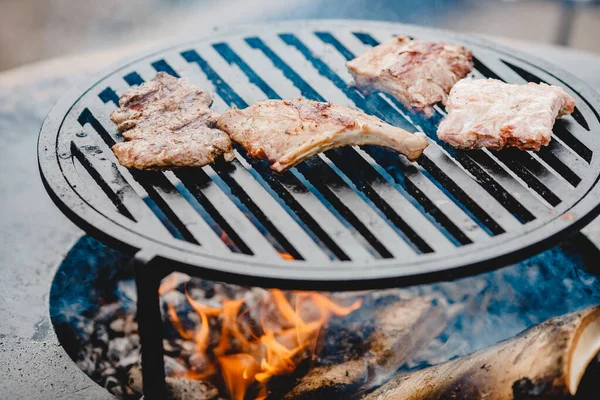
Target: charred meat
column 288, row 132
column 419, row 74
column 492, row 114
column 167, row 123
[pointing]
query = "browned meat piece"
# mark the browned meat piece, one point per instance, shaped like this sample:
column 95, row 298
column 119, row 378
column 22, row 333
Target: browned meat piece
column 493, row 114
column 288, row 132
column 168, row 123
column 418, row 74
column 191, row 149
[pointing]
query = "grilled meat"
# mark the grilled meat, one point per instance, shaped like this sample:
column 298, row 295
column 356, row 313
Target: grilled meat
column 168, row 123
column 419, row 74
column 191, row 149
column 492, row 114
column 288, row 132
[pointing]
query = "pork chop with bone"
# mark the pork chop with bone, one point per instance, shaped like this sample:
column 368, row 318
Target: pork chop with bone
column 288, row 132
column 488, row 113
column 168, row 123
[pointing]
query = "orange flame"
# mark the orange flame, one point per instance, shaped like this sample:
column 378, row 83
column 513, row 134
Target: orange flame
column 238, row 372
column 226, row 239
column 286, row 256
column 247, row 361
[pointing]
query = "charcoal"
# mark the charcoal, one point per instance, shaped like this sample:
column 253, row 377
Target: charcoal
column 171, row 348
column 177, row 388
column 127, row 292
column 199, row 362
column 122, row 346
column 174, row 367
column 100, row 337
column 108, row 313
column 176, row 299
column 186, row 389
column 130, row 359
column 131, row 325
column 118, row 326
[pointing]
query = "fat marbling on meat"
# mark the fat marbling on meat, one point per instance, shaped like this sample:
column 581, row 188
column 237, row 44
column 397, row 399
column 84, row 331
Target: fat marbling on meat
column 167, row 123
column 492, row 114
column 288, row 132
column 417, row 73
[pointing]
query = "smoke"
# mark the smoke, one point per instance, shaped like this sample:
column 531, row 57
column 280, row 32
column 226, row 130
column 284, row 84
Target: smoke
column 494, row 306
column 91, row 273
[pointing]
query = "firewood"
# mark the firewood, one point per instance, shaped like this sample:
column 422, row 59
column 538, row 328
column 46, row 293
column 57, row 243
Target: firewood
column 546, row 361
column 399, row 330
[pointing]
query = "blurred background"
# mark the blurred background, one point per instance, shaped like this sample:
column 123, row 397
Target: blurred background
column 32, row 30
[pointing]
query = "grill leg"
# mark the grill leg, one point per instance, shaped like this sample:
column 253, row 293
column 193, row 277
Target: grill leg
column 147, row 278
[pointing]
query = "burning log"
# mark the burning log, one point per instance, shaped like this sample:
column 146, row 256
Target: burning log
column 546, row 361
column 399, row 330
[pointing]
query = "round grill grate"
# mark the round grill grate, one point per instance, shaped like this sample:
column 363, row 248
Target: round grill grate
column 346, row 219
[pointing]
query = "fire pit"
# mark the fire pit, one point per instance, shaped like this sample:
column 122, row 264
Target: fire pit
column 348, row 219
column 93, row 304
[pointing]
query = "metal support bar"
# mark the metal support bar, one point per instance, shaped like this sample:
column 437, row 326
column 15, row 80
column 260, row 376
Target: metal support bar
column 147, row 279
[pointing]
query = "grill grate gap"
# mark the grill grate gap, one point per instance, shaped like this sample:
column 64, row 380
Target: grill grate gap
column 108, row 95
column 133, row 79
column 279, row 192
column 160, row 207
column 162, row 66
column 89, row 168
column 193, row 181
column 232, row 188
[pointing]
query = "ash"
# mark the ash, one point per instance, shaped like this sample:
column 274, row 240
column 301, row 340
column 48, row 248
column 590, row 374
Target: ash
column 93, row 305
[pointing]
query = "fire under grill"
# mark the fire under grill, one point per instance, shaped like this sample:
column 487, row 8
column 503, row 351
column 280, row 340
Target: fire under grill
column 352, row 218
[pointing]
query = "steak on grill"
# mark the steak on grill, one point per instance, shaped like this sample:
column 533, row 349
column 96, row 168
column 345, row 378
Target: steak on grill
column 167, row 123
column 419, row 74
column 288, row 132
column 492, row 114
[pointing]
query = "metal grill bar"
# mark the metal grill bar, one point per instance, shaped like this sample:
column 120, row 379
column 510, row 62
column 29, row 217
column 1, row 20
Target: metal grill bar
column 445, row 218
column 381, row 215
column 381, row 105
column 278, row 237
column 227, row 94
column 346, row 154
column 340, row 158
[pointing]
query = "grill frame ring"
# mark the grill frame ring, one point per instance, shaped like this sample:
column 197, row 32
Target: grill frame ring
column 335, row 275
